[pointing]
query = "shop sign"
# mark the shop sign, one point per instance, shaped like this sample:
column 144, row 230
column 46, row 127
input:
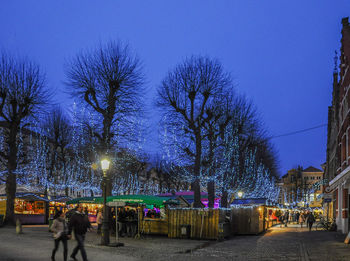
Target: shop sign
column 116, row 204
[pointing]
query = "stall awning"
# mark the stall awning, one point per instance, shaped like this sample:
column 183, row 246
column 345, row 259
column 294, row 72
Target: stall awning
column 128, row 199
column 28, row 196
column 61, row 199
column 91, row 200
column 143, row 199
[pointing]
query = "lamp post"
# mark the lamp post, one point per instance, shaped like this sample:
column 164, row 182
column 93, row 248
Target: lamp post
column 105, row 223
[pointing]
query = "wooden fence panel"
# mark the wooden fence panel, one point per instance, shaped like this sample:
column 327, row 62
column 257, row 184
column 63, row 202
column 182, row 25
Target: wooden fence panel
column 204, row 223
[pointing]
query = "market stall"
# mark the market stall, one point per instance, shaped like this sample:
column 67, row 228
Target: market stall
column 58, row 203
column 151, row 212
column 90, row 204
column 248, row 216
column 29, row 208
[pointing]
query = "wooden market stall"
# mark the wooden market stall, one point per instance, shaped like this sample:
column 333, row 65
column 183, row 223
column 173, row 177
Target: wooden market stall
column 58, row 203
column 250, row 216
column 91, row 204
column 29, row 208
column 151, row 211
column 143, row 205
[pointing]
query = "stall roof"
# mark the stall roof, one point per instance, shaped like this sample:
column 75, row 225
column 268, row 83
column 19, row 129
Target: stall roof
column 131, row 199
column 187, row 195
column 60, row 198
column 92, row 200
column 28, row 196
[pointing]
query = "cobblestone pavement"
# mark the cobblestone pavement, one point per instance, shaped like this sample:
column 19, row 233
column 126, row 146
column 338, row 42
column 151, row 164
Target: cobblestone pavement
column 291, row 243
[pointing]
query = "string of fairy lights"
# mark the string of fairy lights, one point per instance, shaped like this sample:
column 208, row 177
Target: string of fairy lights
column 229, row 175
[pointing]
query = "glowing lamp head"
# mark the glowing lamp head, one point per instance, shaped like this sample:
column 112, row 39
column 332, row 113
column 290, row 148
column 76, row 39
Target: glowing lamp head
column 105, row 164
column 240, row 194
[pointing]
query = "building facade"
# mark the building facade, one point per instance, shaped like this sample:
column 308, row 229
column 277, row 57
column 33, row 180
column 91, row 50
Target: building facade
column 302, row 187
column 338, row 138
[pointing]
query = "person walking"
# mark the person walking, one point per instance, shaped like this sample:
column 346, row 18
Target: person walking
column 301, row 219
column 286, row 218
column 60, row 233
column 80, row 224
column 99, row 220
column 297, row 216
column 310, row 220
column 281, row 220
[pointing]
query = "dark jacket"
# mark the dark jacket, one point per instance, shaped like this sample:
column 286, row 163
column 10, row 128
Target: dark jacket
column 310, row 218
column 79, row 222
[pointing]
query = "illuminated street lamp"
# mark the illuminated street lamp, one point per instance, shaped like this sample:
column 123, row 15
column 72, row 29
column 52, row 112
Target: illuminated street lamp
column 105, row 224
column 240, row 194
column 105, row 166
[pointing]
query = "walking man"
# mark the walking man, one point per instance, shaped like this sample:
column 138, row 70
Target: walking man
column 310, row 220
column 80, row 224
column 286, row 218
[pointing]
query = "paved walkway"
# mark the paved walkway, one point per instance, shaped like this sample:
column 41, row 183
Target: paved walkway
column 291, row 243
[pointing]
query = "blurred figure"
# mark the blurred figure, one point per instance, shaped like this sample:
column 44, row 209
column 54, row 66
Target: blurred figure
column 310, row 220
column 286, row 218
column 301, row 219
column 60, row 232
column 99, row 220
column 80, row 225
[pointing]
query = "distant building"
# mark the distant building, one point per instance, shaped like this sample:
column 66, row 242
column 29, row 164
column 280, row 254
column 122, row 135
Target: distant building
column 312, row 187
column 338, row 138
column 302, row 187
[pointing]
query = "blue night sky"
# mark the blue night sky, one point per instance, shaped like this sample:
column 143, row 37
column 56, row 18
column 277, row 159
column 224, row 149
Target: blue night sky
column 280, row 53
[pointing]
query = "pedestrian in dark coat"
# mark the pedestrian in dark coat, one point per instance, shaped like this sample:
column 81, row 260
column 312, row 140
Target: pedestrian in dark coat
column 60, row 231
column 80, row 224
column 297, row 215
column 286, row 218
column 310, row 220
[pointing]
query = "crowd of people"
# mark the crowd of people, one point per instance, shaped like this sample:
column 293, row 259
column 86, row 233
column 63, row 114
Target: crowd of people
column 298, row 217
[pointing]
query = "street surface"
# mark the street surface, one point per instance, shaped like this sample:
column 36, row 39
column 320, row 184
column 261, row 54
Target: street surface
column 291, row 243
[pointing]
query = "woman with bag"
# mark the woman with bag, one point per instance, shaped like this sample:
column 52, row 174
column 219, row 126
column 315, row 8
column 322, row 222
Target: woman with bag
column 60, row 231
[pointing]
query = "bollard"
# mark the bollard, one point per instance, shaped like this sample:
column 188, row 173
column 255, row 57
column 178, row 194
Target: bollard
column 18, row 226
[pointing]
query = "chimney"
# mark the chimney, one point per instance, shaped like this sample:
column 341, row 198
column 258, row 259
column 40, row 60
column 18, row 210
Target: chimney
column 345, row 21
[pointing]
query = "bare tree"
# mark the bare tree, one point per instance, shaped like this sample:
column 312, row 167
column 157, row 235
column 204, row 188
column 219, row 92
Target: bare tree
column 109, row 80
column 57, row 129
column 186, row 95
column 22, row 94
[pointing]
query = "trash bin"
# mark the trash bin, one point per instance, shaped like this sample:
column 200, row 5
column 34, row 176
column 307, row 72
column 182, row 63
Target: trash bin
column 185, row 231
column 1, row 220
column 224, row 230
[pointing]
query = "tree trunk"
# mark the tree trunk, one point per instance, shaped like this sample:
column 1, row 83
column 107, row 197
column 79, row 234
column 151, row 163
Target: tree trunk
column 11, row 182
column 11, row 195
column 211, row 183
column 211, row 193
column 197, row 168
column 197, row 194
column 224, row 199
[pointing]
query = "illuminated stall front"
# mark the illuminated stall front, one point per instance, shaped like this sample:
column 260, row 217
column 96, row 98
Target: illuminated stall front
column 29, row 208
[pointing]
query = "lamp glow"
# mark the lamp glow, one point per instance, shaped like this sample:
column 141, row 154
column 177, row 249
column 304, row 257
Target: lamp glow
column 240, row 194
column 105, row 164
